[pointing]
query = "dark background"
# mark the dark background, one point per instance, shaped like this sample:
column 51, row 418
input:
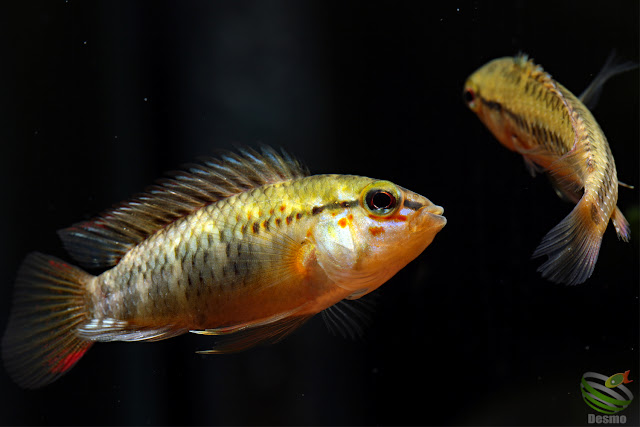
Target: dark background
column 98, row 99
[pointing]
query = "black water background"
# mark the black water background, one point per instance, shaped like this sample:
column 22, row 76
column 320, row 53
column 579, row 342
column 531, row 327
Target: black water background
column 98, row 99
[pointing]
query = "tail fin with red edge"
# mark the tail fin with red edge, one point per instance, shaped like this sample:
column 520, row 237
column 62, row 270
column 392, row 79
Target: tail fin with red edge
column 40, row 343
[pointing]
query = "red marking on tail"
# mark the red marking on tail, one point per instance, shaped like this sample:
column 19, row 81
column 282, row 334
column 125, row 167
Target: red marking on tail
column 64, row 363
column 57, row 264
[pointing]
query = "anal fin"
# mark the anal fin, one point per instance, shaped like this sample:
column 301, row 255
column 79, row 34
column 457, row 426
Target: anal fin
column 620, row 223
column 107, row 329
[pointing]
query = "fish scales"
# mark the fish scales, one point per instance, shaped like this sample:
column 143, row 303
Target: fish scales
column 246, row 248
column 227, row 232
column 534, row 115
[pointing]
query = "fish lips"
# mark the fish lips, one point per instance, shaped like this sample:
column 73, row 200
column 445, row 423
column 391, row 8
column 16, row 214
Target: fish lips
column 430, row 216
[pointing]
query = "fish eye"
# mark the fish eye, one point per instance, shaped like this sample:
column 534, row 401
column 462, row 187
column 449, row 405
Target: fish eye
column 381, row 198
column 469, row 97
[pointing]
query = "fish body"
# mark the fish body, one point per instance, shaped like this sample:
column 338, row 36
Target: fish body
column 537, row 117
column 246, row 248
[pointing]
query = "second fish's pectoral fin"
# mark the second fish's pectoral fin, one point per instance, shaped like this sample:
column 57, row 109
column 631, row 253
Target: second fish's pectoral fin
column 242, row 337
column 527, row 154
column 564, row 191
column 103, row 241
column 532, row 167
column 118, row 330
column 567, row 173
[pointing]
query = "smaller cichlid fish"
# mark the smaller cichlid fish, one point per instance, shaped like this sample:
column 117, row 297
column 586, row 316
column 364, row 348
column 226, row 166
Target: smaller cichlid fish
column 247, row 247
column 537, row 117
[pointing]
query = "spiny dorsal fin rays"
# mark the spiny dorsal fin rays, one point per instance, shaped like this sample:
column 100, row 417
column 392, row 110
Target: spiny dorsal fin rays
column 103, row 241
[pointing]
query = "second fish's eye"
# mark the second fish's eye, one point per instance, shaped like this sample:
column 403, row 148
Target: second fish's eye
column 469, row 97
column 380, row 201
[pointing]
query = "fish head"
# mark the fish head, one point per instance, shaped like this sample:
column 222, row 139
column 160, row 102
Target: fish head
column 371, row 239
column 482, row 90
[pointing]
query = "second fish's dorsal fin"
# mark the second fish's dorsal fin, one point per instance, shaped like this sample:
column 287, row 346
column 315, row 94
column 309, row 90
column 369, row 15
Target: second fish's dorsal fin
column 103, row 241
column 612, row 67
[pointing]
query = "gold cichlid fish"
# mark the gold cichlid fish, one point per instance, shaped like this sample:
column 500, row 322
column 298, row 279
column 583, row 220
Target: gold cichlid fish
column 537, row 117
column 247, row 247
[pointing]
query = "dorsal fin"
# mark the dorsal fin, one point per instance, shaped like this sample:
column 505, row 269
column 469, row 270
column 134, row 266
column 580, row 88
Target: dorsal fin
column 612, row 67
column 102, row 241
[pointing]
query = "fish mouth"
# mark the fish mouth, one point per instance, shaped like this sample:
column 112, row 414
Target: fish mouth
column 433, row 214
column 434, row 210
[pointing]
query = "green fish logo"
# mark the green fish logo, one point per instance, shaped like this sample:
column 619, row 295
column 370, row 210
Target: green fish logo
column 606, row 395
column 617, row 379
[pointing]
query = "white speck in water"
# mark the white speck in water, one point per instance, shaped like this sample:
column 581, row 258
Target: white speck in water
column 586, row 347
column 115, row 136
column 35, row 132
column 84, row 42
column 146, row 99
column 457, row 9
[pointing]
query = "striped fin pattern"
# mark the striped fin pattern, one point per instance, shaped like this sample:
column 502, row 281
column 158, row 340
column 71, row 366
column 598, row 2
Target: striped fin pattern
column 41, row 343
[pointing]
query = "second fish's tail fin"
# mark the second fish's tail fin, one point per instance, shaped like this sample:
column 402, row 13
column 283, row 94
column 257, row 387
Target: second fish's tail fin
column 572, row 246
column 40, row 343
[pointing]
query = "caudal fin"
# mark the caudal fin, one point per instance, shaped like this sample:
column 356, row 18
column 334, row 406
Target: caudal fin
column 572, row 247
column 40, row 343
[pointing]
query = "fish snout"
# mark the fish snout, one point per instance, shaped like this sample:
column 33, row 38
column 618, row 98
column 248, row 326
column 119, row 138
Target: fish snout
column 430, row 216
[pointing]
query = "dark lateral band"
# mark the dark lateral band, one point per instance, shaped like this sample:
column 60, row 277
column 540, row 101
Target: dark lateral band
column 412, row 205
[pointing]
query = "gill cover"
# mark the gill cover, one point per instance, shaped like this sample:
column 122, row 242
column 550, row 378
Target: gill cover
column 342, row 242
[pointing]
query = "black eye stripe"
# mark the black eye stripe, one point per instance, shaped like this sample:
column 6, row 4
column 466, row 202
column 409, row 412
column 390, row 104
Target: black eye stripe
column 412, row 205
